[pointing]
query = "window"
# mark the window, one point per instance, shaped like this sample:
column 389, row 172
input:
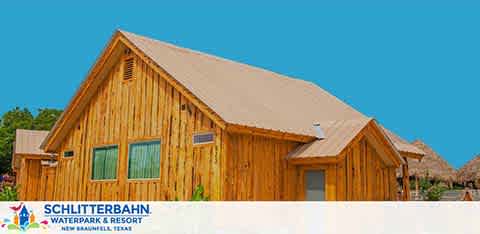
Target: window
column 128, row 67
column 144, row 160
column 68, row 154
column 203, row 138
column 105, row 163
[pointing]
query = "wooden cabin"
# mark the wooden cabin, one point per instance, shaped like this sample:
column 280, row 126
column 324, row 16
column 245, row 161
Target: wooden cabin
column 152, row 121
column 34, row 169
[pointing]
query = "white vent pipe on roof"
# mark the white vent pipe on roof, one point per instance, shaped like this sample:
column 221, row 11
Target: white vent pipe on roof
column 319, row 131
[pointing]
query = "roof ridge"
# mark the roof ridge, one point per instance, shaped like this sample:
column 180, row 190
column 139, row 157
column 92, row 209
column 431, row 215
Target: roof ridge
column 197, row 52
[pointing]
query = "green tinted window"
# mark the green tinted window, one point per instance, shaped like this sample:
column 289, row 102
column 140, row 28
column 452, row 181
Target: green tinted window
column 104, row 165
column 144, row 160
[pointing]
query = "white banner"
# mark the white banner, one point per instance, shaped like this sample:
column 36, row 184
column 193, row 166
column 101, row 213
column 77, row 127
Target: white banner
column 239, row 217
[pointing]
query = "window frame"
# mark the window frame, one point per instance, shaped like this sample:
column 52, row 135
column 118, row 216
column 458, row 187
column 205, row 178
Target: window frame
column 301, row 180
column 92, row 163
column 305, row 183
column 148, row 140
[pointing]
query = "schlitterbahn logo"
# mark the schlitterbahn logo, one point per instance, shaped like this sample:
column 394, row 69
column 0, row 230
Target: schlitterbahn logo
column 22, row 220
column 96, row 217
column 74, row 217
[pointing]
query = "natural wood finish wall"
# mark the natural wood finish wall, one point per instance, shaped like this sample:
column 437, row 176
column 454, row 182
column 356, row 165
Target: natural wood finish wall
column 362, row 176
column 146, row 107
column 47, row 181
column 29, row 179
column 257, row 169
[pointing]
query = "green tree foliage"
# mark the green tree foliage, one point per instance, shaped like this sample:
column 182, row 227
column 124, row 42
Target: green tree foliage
column 46, row 118
column 9, row 194
column 12, row 120
column 198, row 194
column 431, row 191
column 19, row 118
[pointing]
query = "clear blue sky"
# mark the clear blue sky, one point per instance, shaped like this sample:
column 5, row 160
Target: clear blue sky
column 413, row 65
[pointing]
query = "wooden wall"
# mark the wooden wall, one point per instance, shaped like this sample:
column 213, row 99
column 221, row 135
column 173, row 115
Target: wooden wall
column 362, row 176
column 256, row 169
column 46, row 186
column 122, row 112
column 29, row 179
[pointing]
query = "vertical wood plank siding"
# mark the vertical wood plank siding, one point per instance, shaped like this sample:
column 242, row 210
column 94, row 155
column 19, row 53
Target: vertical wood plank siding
column 362, row 176
column 35, row 182
column 29, row 179
column 122, row 112
column 257, row 170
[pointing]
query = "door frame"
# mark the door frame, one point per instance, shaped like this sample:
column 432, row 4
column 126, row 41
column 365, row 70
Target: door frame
column 301, row 178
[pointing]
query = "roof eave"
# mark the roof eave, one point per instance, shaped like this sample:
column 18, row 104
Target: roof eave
column 398, row 158
column 49, row 145
column 52, row 141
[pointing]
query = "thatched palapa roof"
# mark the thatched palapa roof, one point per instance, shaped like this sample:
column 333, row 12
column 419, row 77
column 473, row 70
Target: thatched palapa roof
column 432, row 163
column 470, row 171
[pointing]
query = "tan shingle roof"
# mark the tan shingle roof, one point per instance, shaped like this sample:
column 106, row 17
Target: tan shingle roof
column 339, row 135
column 401, row 144
column 246, row 95
column 29, row 141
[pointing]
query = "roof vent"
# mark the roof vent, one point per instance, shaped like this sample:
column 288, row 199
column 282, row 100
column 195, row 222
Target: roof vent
column 319, row 131
column 203, row 138
column 128, row 67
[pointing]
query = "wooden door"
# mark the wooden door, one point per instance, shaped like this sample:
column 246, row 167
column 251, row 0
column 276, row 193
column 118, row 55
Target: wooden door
column 312, row 184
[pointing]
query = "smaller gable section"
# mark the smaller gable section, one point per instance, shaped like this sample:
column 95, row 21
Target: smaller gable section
column 342, row 134
column 338, row 134
column 383, row 145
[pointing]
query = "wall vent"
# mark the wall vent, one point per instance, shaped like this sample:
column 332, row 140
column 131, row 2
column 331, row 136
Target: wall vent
column 68, row 154
column 128, row 67
column 203, row 138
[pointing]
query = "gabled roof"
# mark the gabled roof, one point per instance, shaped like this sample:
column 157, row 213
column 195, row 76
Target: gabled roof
column 340, row 134
column 246, row 95
column 403, row 145
column 239, row 94
column 28, row 142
